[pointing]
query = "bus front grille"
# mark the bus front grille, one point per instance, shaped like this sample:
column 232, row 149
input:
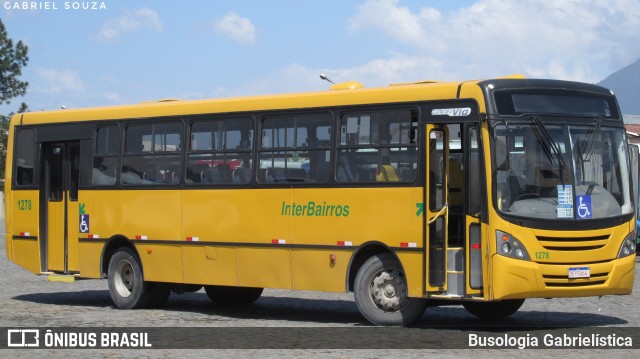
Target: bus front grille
column 573, row 243
column 557, row 281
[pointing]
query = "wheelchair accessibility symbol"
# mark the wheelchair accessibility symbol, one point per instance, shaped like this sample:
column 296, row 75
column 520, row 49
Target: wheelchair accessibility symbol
column 84, row 223
column 584, row 207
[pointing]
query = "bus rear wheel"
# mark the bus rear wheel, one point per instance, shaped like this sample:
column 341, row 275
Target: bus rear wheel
column 126, row 283
column 232, row 295
column 380, row 292
column 493, row 310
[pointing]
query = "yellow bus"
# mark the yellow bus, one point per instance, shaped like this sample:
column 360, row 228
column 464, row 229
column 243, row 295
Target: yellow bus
column 477, row 193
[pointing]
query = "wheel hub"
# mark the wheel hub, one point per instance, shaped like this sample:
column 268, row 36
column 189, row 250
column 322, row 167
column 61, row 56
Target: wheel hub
column 124, row 279
column 388, row 291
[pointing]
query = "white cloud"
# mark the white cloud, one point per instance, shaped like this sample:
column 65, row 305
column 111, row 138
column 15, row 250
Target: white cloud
column 378, row 72
column 397, row 21
column 55, row 82
column 237, row 28
column 577, row 40
column 396, row 68
column 131, row 21
column 112, row 97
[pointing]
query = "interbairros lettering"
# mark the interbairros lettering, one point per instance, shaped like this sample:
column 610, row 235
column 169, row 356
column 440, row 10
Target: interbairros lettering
column 313, row 209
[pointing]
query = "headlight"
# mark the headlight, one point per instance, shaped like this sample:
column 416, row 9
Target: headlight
column 628, row 246
column 510, row 247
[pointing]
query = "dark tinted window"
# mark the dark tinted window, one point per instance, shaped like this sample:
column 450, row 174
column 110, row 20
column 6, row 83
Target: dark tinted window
column 555, row 102
column 295, row 149
column 107, row 140
column 220, row 152
column 105, row 160
column 378, row 146
column 152, row 154
column 25, row 157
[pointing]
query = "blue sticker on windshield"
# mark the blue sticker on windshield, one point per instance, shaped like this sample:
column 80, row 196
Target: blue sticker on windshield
column 584, row 207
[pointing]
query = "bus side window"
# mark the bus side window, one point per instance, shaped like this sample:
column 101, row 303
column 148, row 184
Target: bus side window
column 378, row 146
column 152, row 154
column 220, row 151
column 105, row 157
column 25, row 157
column 295, row 149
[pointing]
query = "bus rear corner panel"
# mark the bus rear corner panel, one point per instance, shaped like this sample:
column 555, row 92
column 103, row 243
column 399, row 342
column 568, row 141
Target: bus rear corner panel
column 25, row 253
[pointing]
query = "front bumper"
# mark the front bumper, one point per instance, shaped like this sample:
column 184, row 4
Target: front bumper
column 513, row 279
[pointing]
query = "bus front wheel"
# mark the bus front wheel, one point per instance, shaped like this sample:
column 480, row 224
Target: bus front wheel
column 126, row 284
column 380, row 292
column 493, row 310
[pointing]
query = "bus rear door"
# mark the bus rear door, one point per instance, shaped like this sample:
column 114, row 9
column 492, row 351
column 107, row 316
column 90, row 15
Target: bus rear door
column 59, row 219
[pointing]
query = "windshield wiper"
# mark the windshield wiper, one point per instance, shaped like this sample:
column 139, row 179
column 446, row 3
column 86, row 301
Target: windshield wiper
column 590, row 144
column 545, row 138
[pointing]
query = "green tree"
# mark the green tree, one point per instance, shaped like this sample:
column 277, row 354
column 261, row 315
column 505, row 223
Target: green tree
column 12, row 60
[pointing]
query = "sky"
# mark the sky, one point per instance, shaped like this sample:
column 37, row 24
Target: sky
column 121, row 52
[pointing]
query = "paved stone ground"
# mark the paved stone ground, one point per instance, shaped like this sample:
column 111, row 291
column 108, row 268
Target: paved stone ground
column 27, row 300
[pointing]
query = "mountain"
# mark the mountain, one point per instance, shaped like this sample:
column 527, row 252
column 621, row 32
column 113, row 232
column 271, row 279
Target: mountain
column 625, row 83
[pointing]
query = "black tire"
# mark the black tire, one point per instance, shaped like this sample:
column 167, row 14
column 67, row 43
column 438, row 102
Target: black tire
column 493, row 310
column 380, row 292
column 232, row 295
column 159, row 293
column 126, row 283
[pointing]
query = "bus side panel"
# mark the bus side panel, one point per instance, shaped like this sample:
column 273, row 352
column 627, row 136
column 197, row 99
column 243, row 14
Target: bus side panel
column 95, row 204
column 151, row 214
column 161, row 262
column 89, row 259
column 350, row 218
column 25, row 254
column 317, row 270
column 264, row 268
column 249, row 220
column 210, row 265
column 412, row 265
column 23, row 229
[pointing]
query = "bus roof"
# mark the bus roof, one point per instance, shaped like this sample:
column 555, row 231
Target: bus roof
column 337, row 96
column 343, row 97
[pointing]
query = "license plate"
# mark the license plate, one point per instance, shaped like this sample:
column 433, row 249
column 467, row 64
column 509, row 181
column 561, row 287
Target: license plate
column 579, row 272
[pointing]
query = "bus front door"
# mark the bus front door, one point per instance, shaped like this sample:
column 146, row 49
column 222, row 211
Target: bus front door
column 59, row 202
column 436, row 211
column 453, row 226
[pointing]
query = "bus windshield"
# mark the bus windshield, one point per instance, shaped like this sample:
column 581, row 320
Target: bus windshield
column 547, row 170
